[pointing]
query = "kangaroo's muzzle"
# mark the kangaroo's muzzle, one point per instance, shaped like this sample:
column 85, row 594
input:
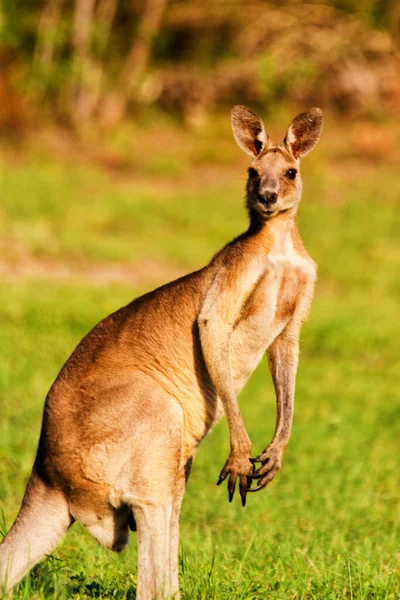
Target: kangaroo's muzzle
column 267, row 198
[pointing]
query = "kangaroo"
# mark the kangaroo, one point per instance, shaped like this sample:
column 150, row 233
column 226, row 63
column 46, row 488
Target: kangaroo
column 125, row 416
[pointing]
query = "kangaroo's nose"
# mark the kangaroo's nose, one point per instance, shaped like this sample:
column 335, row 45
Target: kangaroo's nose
column 268, row 198
column 271, row 197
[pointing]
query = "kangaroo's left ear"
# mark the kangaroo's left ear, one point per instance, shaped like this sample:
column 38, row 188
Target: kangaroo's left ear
column 304, row 132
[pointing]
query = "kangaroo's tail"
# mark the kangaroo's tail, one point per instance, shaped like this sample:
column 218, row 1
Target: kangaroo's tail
column 43, row 519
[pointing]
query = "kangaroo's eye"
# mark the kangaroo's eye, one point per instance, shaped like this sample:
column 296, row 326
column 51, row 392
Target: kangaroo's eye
column 291, row 173
column 253, row 174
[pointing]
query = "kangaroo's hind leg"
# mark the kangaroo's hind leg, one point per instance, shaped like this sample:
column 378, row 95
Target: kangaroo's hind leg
column 182, row 478
column 158, row 531
column 155, row 489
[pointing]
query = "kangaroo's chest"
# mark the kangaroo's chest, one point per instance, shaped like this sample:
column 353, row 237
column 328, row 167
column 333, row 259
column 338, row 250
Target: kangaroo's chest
column 265, row 314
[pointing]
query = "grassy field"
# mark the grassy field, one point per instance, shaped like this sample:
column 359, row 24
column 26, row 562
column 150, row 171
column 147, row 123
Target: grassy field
column 83, row 233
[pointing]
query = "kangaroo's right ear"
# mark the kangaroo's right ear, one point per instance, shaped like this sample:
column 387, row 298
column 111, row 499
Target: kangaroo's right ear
column 248, row 130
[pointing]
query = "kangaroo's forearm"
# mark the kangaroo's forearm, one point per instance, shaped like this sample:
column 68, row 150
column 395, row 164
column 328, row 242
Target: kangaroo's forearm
column 283, row 360
column 215, row 347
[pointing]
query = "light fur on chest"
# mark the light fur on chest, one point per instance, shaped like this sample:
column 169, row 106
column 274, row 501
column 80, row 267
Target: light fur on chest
column 277, row 298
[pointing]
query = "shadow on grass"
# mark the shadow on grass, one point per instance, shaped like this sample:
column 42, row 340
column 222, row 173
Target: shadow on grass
column 52, row 579
column 98, row 589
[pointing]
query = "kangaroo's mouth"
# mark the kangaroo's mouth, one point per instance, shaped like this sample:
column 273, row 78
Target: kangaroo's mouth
column 266, row 210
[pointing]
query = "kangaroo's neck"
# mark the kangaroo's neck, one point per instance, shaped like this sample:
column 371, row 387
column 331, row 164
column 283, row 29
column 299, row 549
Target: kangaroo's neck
column 275, row 231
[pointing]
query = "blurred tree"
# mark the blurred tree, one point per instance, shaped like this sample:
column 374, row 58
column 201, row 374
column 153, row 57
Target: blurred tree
column 136, row 63
column 47, row 33
column 94, row 60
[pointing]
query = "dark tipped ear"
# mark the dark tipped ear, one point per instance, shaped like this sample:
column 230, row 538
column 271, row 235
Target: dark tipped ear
column 304, row 132
column 248, row 130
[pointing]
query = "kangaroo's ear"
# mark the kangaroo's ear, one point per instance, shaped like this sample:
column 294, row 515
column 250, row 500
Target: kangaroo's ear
column 304, row 132
column 248, row 130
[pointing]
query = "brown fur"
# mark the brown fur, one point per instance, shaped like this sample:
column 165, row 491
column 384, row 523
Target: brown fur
column 124, row 417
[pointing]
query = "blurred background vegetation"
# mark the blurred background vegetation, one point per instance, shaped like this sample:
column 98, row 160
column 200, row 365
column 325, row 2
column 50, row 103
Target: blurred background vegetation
column 98, row 61
column 119, row 172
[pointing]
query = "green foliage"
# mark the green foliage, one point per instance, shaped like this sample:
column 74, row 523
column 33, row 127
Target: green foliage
column 101, row 64
column 383, row 14
column 275, row 80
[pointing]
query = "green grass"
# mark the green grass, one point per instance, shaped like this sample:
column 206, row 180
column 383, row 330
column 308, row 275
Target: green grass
column 328, row 526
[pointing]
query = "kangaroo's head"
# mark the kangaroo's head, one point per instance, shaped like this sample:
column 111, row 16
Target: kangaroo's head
column 274, row 182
